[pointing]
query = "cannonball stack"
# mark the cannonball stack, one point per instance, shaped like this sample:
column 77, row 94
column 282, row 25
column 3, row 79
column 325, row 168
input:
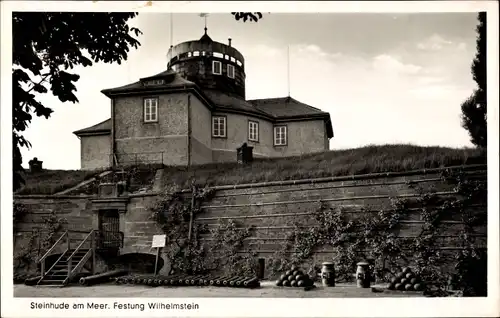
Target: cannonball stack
column 294, row 277
column 406, row 280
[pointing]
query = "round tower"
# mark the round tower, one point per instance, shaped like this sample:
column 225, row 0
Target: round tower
column 210, row 64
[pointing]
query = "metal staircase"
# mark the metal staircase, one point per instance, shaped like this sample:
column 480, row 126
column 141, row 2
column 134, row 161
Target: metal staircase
column 73, row 260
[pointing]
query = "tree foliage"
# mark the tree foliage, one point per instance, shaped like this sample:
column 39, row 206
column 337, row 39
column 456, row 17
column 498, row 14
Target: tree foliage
column 474, row 108
column 46, row 46
column 247, row 16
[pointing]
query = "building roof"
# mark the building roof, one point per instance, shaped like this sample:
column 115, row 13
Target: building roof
column 272, row 109
column 226, row 101
column 102, row 128
column 205, row 38
column 285, row 107
column 172, row 81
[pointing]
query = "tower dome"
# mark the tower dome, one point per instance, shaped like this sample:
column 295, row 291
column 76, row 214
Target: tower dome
column 210, row 64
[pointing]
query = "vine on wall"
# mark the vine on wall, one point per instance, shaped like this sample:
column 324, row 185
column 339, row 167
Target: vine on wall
column 471, row 261
column 375, row 237
column 355, row 236
column 28, row 252
column 207, row 250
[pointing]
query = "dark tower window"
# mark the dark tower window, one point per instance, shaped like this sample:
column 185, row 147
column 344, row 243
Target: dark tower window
column 230, row 71
column 216, row 67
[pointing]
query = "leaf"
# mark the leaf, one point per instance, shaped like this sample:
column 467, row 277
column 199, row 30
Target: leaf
column 56, row 41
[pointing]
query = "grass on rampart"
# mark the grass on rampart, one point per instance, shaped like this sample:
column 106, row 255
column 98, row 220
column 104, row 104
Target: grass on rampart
column 52, row 181
column 369, row 159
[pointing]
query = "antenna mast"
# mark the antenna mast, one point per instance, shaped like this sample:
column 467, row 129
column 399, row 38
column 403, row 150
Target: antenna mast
column 170, row 53
column 288, row 69
column 171, row 29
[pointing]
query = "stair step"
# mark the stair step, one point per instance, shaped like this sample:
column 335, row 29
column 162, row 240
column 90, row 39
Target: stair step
column 62, row 272
column 79, row 253
column 58, row 272
column 51, row 281
column 55, row 277
column 50, row 285
column 64, row 265
column 74, row 259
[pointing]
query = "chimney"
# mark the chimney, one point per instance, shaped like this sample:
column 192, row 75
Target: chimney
column 244, row 154
column 229, row 40
column 35, row 165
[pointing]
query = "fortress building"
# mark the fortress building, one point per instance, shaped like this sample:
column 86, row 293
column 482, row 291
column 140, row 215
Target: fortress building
column 195, row 112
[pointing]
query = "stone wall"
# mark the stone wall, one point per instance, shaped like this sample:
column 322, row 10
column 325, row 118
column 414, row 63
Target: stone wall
column 201, row 131
column 272, row 208
column 77, row 211
column 182, row 135
column 303, row 137
column 168, row 135
column 95, row 152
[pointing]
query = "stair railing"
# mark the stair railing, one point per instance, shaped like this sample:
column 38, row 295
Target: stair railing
column 42, row 259
column 53, row 265
column 92, row 250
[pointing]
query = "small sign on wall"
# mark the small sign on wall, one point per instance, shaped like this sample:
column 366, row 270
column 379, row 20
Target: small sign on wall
column 159, row 240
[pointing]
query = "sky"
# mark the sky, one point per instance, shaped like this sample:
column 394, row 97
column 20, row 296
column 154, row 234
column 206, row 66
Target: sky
column 384, row 78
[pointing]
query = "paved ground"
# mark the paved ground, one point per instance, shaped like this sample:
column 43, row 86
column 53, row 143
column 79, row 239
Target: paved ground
column 266, row 290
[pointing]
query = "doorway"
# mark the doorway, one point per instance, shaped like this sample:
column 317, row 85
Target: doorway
column 109, row 229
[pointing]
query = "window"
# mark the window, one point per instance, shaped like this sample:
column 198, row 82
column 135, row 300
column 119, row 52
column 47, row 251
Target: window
column 216, row 67
column 150, row 110
column 253, row 131
column 280, row 136
column 219, row 126
column 230, row 71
